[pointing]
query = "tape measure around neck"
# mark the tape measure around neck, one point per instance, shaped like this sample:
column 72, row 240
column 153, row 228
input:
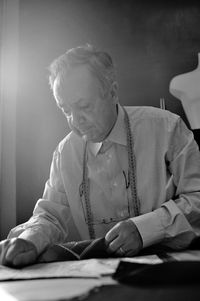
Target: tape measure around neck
column 132, row 178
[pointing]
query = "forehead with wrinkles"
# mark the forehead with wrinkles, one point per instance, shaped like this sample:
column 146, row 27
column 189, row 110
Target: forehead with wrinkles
column 78, row 84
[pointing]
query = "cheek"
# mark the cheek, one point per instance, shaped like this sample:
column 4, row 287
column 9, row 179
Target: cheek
column 100, row 118
column 96, row 120
column 75, row 130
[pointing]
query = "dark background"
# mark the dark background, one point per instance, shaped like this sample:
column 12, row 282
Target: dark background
column 150, row 42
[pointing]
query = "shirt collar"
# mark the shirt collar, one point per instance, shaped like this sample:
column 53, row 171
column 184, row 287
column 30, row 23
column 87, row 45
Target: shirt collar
column 117, row 135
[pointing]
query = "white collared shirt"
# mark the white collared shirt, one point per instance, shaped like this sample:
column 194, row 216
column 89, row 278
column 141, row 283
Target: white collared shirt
column 168, row 184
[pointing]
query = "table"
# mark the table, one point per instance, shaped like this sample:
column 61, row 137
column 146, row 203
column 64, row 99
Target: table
column 93, row 290
column 102, row 287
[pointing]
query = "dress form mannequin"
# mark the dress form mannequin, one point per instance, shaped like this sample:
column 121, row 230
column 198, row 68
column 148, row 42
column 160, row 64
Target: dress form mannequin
column 186, row 87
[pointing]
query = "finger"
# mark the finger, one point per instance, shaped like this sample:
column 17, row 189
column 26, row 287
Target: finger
column 17, row 246
column 25, row 258
column 112, row 234
column 13, row 251
column 4, row 246
column 115, row 245
column 131, row 253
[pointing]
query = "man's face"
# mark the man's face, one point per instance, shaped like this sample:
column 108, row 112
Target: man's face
column 90, row 114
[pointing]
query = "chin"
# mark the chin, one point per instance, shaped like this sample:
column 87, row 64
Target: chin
column 93, row 136
column 90, row 138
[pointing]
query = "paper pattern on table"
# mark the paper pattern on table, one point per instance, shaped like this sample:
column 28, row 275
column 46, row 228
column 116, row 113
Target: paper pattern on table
column 48, row 289
column 148, row 259
column 89, row 268
column 189, row 255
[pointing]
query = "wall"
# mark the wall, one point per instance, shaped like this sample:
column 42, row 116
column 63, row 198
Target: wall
column 150, row 42
column 9, row 30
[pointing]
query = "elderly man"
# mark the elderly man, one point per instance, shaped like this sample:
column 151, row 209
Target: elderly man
column 129, row 174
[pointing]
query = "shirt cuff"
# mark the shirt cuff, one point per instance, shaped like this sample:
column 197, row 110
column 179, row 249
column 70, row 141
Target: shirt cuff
column 150, row 227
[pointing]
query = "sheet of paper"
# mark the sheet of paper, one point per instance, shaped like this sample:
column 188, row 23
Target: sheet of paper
column 148, row 259
column 88, row 273
column 47, row 289
column 90, row 268
column 190, row 255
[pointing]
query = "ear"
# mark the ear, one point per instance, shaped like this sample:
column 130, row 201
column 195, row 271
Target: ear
column 114, row 92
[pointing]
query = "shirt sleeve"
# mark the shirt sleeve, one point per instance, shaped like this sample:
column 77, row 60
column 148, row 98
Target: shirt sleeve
column 177, row 221
column 49, row 223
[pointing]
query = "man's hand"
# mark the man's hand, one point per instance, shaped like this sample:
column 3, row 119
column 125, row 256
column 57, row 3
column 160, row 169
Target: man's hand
column 124, row 239
column 17, row 252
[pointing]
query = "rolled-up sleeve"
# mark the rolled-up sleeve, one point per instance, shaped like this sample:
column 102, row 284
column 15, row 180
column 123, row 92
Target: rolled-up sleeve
column 49, row 223
column 177, row 221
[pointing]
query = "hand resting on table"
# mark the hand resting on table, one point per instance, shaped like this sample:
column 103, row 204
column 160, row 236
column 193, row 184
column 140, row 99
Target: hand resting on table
column 17, row 252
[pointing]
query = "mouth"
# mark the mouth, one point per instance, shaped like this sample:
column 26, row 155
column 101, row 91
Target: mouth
column 85, row 131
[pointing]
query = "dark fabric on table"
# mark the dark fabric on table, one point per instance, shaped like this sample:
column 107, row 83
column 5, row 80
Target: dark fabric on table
column 167, row 273
column 76, row 250
column 97, row 248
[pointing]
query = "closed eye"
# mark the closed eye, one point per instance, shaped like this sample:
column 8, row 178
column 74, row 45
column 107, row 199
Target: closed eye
column 86, row 107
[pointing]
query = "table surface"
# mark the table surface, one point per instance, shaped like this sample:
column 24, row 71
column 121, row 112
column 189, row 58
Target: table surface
column 93, row 290
column 51, row 289
column 105, row 287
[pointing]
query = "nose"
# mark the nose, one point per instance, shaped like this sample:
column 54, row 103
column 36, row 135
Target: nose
column 77, row 119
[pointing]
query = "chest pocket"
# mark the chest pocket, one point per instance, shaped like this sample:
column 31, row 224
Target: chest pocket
column 109, row 192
